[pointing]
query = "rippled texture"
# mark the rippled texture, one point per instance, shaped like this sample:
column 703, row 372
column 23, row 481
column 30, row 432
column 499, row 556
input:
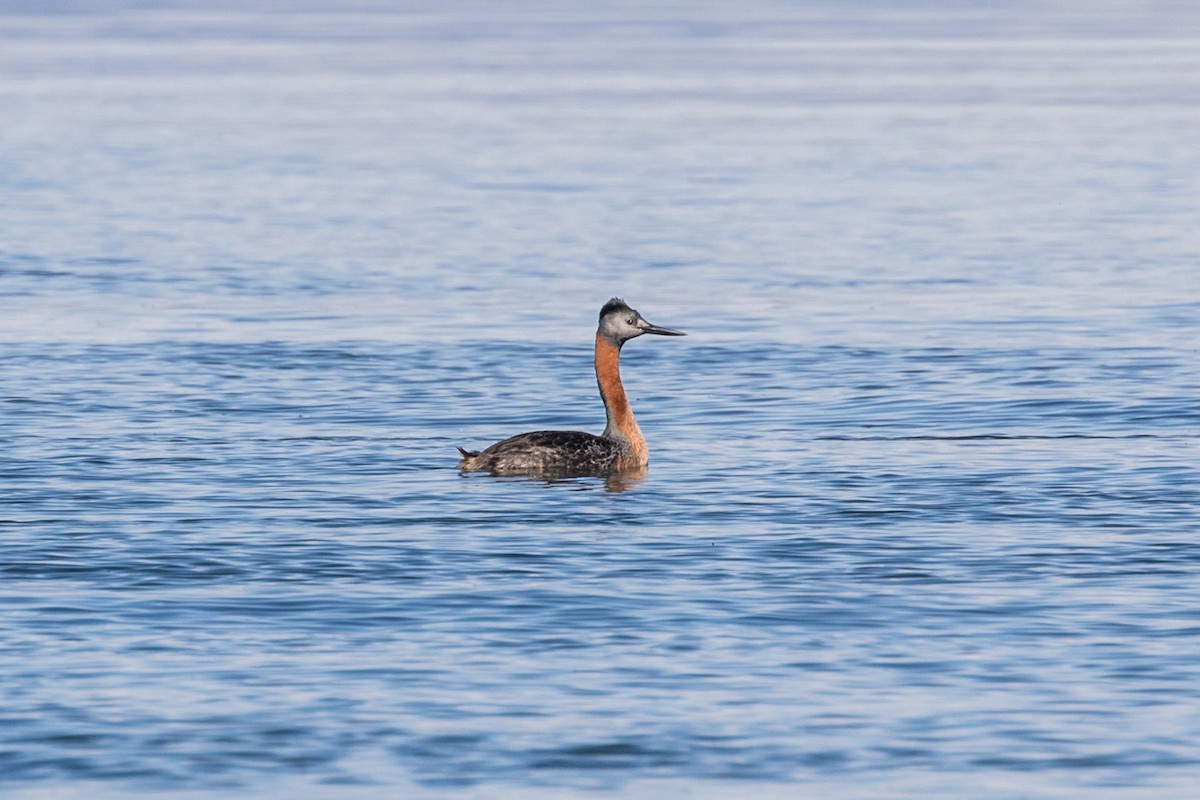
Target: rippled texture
column 921, row 514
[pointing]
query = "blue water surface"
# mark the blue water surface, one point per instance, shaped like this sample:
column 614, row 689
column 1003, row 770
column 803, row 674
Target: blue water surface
column 921, row 517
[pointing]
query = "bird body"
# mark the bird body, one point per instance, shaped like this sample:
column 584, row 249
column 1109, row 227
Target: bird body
column 548, row 451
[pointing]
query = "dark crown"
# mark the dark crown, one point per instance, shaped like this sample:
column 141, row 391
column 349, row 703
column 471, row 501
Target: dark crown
column 612, row 306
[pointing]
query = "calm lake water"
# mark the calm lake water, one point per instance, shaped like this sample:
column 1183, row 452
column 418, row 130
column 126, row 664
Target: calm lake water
column 922, row 514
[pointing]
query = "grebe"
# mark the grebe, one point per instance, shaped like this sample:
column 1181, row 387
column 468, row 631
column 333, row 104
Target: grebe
column 621, row 447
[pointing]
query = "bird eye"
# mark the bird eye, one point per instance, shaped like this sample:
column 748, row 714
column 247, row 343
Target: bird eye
column 632, row 320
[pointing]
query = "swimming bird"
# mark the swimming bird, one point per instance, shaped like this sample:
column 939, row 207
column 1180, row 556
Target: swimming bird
column 621, row 447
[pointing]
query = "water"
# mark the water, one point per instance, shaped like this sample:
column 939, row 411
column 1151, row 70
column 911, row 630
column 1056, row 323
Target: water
column 921, row 517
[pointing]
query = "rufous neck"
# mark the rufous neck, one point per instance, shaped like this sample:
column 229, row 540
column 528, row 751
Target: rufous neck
column 621, row 423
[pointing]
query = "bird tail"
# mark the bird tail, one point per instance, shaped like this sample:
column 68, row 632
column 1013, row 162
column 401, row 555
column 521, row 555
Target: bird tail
column 470, row 460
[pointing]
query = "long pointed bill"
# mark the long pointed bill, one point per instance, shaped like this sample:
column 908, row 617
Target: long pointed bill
column 648, row 328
